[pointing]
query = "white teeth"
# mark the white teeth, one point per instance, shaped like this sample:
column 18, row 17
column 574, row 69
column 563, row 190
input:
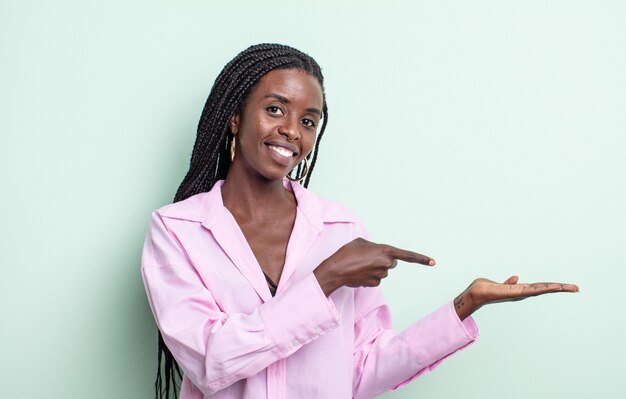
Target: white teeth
column 282, row 151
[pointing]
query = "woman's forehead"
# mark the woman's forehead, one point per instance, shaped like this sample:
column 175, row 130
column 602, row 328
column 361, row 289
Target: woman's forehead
column 294, row 85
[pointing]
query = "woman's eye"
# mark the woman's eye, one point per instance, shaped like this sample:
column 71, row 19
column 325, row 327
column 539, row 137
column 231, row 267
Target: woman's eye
column 308, row 123
column 274, row 110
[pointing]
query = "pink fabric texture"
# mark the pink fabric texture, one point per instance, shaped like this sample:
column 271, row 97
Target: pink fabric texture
column 233, row 339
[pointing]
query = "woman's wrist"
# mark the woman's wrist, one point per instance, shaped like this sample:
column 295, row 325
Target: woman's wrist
column 326, row 279
column 466, row 303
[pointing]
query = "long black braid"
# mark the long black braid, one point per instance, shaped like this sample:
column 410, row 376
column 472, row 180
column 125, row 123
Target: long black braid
column 210, row 159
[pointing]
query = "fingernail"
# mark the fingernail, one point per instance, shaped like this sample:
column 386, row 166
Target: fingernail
column 431, row 262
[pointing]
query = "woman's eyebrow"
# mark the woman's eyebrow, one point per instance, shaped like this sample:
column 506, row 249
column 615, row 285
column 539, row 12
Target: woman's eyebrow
column 285, row 100
column 278, row 97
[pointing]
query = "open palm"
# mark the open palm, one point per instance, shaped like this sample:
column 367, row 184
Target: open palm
column 483, row 291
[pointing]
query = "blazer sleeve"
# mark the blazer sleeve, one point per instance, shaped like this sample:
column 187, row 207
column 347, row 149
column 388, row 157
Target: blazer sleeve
column 216, row 349
column 385, row 359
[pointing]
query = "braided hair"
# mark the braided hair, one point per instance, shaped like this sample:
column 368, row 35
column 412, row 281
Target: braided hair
column 210, row 159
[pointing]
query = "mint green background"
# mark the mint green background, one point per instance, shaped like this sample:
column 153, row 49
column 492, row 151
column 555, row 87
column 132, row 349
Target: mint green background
column 487, row 134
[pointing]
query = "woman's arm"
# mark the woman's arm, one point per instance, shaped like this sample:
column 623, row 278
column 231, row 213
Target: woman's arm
column 216, row 349
column 385, row 359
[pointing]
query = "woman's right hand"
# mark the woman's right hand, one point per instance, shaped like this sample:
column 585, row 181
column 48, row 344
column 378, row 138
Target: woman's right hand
column 361, row 263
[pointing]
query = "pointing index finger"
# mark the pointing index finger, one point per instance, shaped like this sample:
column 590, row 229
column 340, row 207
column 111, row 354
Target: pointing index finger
column 410, row 256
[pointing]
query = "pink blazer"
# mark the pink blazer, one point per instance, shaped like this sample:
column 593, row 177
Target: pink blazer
column 233, row 339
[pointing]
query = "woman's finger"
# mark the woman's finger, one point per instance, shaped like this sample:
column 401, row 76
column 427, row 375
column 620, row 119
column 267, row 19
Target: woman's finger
column 570, row 287
column 534, row 289
column 408, row 256
column 511, row 280
column 552, row 287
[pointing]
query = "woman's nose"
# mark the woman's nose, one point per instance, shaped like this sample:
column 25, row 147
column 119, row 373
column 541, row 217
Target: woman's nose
column 289, row 130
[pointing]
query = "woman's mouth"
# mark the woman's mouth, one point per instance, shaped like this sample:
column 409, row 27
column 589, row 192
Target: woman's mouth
column 281, row 151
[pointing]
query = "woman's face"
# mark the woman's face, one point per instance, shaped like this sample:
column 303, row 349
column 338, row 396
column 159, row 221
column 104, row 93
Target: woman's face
column 278, row 125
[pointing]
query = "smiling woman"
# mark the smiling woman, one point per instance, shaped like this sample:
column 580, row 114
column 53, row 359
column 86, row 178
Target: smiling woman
column 276, row 129
column 261, row 289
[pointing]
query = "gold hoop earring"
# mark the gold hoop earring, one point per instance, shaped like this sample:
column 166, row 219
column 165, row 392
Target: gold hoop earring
column 306, row 170
column 232, row 149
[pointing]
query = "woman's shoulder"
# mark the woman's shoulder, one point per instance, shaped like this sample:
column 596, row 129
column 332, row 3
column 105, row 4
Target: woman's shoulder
column 327, row 210
column 194, row 208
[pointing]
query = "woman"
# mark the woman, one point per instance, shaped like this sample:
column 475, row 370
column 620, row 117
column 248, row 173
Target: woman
column 261, row 289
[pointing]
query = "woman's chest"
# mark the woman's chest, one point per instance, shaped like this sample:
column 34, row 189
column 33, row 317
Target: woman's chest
column 228, row 267
column 268, row 242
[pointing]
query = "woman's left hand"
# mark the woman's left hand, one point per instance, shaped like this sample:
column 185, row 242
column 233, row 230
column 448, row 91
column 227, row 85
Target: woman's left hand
column 483, row 292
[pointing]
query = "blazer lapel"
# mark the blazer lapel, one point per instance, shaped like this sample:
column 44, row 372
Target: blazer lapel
column 230, row 238
column 302, row 237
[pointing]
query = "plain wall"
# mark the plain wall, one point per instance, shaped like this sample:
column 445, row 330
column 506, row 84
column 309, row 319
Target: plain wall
column 487, row 134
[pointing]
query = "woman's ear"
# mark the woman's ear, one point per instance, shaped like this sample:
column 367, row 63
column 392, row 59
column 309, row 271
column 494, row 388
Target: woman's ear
column 234, row 123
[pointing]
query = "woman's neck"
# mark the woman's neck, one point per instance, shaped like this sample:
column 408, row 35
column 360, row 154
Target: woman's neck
column 247, row 196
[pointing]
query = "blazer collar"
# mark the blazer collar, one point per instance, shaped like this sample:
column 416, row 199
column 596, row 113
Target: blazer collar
column 208, row 208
